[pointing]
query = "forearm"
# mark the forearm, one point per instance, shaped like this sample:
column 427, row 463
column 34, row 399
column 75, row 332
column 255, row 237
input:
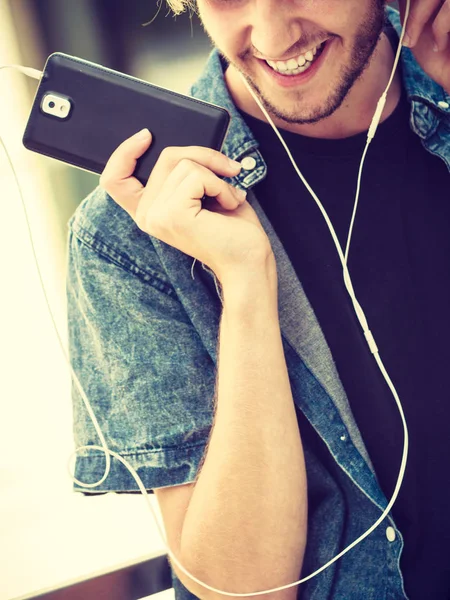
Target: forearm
column 245, row 527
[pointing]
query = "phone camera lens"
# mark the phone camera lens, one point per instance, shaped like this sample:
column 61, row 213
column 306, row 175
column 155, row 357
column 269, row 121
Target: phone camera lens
column 51, row 104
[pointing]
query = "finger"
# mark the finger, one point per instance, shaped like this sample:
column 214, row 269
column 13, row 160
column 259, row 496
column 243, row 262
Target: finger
column 170, row 210
column 195, row 181
column 177, row 176
column 207, row 157
column 116, row 178
column 402, row 8
column 421, row 12
column 441, row 27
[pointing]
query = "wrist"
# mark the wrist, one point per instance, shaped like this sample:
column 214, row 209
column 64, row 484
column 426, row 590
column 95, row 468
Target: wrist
column 252, row 285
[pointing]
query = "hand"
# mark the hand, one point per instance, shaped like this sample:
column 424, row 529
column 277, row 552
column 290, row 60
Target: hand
column 429, row 24
column 227, row 236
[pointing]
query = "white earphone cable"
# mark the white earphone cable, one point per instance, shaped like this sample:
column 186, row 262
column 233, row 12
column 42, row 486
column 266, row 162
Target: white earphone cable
column 348, row 283
column 108, row 453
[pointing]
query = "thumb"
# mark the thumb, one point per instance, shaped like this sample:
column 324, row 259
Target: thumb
column 117, row 179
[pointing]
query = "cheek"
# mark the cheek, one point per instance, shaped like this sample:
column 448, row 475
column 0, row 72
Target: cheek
column 228, row 26
column 227, row 37
column 224, row 35
column 339, row 17
column 225, row 26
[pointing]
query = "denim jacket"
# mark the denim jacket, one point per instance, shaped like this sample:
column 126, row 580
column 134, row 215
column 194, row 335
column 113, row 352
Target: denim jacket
column 143, row 323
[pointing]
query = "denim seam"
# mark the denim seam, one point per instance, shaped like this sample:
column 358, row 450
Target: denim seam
column 106, row 251
column 165, row 450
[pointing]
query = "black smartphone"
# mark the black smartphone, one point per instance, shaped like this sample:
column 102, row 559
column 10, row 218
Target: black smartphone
column 82, row 111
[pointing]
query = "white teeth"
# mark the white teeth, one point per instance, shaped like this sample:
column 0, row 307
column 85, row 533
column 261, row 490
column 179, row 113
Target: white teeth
column 277, row 66
column 294, row 65
column 298, row 70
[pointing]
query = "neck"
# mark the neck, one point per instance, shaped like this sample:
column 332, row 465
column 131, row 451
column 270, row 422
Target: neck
column 356, row 112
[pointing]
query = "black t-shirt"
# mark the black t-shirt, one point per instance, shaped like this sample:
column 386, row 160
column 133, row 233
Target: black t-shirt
column 399, row 262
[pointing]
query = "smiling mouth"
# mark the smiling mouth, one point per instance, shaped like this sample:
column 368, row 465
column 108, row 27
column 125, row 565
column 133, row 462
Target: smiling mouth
column 295, row 66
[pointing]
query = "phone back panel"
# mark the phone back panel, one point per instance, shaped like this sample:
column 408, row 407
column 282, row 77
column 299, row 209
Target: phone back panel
column 107, row 108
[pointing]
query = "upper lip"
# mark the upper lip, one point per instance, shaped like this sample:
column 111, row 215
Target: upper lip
column 293, row 56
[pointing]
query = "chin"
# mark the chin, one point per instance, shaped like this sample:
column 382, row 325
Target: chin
column 308, row 108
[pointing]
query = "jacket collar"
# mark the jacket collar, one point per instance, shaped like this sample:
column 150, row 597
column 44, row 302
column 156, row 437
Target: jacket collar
column 430, row 103
column 240, row 141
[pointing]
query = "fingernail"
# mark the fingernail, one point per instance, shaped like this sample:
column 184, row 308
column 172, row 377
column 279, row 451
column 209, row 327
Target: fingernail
column 435, row 47
column 143, row 134
column 234, row 164
column 407, row 40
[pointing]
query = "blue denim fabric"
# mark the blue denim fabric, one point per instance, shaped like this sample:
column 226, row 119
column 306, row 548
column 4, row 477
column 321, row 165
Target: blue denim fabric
column 143, row 322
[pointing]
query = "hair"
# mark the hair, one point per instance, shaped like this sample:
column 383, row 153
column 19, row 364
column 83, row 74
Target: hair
column 179, row 6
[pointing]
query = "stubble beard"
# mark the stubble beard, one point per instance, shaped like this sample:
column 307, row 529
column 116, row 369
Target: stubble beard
column 365, row 43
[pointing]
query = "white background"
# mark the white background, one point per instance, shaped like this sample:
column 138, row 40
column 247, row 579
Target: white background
column 48, row 534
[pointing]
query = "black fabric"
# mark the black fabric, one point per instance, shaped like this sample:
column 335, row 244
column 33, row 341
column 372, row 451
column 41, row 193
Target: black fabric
column 400, row 266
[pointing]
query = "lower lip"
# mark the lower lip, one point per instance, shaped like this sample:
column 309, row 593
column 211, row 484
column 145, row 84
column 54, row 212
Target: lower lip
column 293, row 80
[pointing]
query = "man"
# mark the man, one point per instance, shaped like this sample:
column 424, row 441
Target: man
column 243, row 392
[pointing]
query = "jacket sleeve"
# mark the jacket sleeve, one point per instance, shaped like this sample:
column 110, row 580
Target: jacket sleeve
column 142, row 365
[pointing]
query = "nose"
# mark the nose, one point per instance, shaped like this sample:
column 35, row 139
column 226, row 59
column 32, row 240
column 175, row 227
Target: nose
column 273, row 28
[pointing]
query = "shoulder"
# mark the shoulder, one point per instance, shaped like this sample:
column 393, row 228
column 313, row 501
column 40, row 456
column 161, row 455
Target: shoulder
column 109, row 232
column 98, row 215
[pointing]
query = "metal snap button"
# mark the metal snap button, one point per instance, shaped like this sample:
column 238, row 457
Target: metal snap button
column 248, row 163
column 390, row 534
column 443, row 104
